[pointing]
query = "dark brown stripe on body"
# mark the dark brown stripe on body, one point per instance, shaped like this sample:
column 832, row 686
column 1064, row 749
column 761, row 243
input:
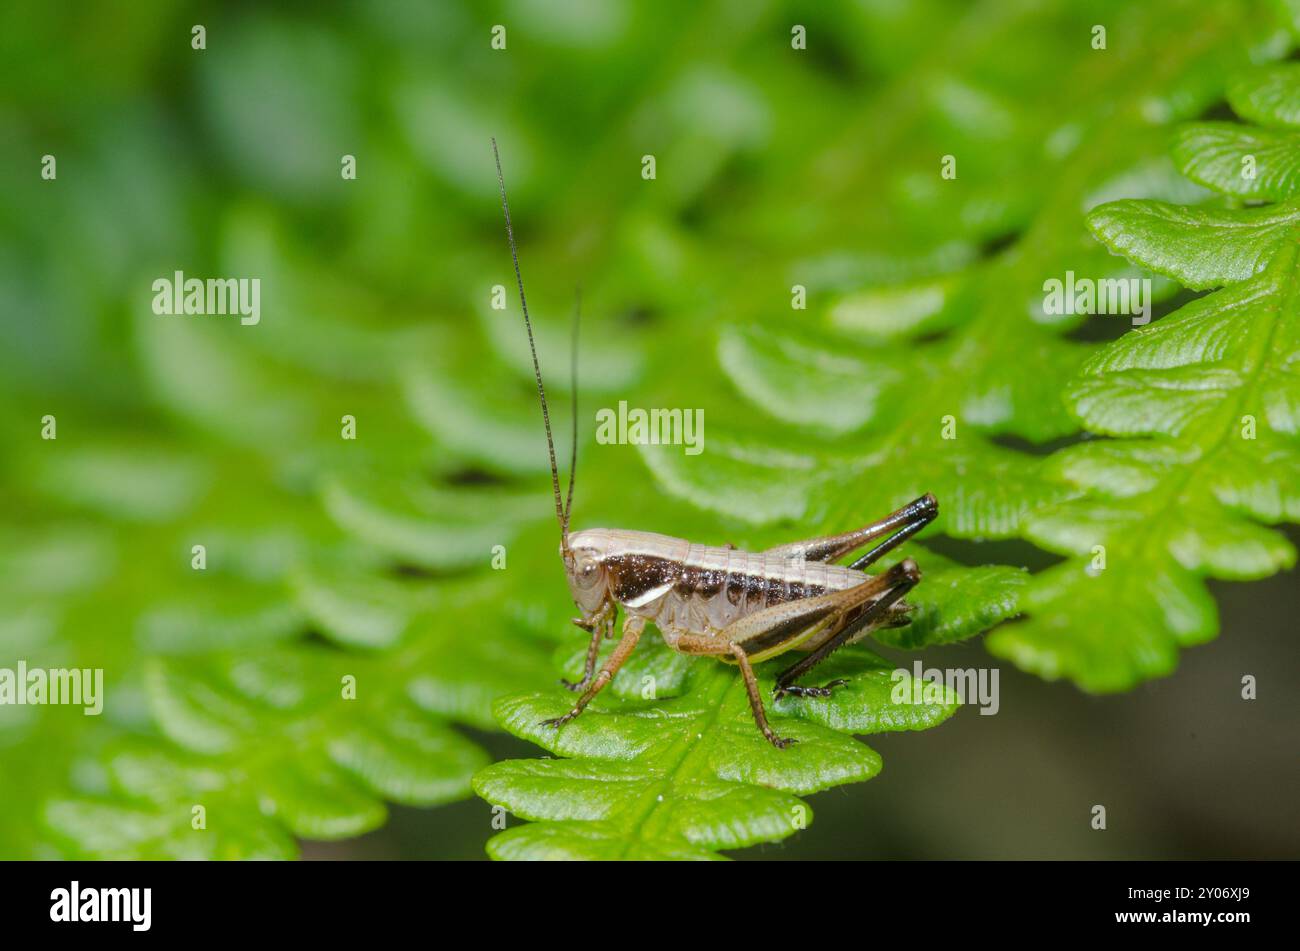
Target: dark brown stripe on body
column 632, row 576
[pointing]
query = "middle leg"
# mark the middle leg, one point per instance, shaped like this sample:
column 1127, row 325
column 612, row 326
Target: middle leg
column 698, row 644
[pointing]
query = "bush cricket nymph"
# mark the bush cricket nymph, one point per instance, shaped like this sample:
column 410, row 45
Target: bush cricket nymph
column 739, row 607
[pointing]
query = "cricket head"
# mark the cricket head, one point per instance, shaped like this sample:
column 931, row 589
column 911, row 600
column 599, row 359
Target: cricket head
column 586, row 567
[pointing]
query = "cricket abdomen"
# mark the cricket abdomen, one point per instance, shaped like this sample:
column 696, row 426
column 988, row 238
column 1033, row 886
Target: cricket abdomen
column 700, row 589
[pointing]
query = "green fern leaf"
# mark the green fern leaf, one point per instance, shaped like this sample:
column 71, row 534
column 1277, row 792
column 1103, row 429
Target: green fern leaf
column 688, row 776
column 875, row 413
column 230, row 708
column 1205, row 408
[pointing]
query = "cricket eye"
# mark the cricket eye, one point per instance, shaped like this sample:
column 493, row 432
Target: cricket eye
column 587, row 572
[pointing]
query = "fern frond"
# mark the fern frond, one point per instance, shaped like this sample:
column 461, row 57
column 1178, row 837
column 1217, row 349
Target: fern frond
column 1204, row 408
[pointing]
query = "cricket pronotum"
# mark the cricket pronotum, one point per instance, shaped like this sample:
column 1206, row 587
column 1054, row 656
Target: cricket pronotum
column 737, row 606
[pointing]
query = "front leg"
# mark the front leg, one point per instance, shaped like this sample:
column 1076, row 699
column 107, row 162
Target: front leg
column 600, row 624
column 632, row 629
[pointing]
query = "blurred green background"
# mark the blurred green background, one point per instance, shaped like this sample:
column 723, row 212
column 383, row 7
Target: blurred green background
column 225, row 161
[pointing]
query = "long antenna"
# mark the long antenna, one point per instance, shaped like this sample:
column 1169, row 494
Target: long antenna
column 532, row 346
column 573, row 389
